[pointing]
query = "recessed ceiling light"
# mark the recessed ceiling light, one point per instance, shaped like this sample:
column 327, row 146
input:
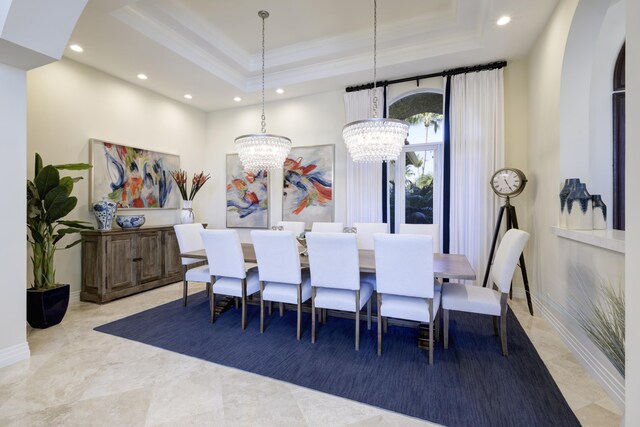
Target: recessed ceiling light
column 237, row 98
column 188, row 96
column 76, row 48
column 504, row 20
column 142, row 76
column 280, row 91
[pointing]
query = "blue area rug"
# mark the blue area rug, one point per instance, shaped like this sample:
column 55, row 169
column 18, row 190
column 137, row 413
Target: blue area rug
column 470, row 384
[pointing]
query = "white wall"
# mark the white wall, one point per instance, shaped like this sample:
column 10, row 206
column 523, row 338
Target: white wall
column 554, row 133
column 309, row 120
column 68, row 103
column 633, row 205
column 13, row 335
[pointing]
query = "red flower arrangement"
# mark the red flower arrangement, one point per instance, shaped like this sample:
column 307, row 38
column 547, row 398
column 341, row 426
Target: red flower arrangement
column 180, row 177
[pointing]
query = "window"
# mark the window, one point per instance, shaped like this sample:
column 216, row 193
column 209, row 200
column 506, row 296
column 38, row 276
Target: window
column 414, row 180
column 618, row 141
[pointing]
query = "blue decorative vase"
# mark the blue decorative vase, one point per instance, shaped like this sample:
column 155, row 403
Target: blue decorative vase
column 599, row 212
column 580, row 208
column 104, row 211
column 130, row 221
column 569, row 184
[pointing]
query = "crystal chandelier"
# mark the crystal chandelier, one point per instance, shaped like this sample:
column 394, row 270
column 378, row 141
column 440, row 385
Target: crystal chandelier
column 262, row 151
column 375, row 139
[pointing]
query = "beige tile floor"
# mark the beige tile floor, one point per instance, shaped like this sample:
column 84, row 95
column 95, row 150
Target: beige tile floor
column 79, row 377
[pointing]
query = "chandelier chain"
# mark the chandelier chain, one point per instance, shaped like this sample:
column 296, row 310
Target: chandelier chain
column 375, row 57
column 263, row 123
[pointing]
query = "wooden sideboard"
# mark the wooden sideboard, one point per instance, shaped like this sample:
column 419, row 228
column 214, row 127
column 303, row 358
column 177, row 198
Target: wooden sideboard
column 117, row 263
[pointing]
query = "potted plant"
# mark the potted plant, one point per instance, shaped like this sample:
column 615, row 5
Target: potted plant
column 49, row 200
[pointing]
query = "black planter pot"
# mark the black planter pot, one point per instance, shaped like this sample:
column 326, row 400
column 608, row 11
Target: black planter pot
column 47, row 307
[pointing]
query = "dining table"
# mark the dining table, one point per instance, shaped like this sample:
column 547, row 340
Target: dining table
column 445, row 266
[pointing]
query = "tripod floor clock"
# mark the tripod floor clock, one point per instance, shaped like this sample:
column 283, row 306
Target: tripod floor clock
column 507, row 183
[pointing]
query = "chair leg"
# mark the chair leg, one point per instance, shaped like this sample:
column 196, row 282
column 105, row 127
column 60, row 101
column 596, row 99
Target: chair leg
column 323, row 315
column 270, row 308
column 185, row 291
column 503, row 323
column 281, row 305
column 237, row 301
column 244, row 304
column 212, row 300
column 495, row 324
column 357, row 316
column 299, row 329
column 185, row 285
column 445, row 327
column 261, row 307
column 379, row 301
column 313, row 315
column 369, row 314
column 385, row 323
column 208, row 289
column 430, row 302
column 436, row 320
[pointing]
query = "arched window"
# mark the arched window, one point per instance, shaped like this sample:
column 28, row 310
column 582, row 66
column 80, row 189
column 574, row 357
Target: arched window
column 618, row 142
column 414, row 182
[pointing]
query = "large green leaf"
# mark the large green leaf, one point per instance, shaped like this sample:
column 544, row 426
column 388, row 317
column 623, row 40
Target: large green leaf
column 55, row 198
column 47, row 179
column 85, row 225
column 38, row 165
column 63, row 232
column 67, row 183
column 72, row 244
column 74, row 166
column 61, row 210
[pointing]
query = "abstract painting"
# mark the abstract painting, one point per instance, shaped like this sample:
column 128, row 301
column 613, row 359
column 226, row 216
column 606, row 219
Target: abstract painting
column 247, row 196
column 308, row 185
column 133, row 178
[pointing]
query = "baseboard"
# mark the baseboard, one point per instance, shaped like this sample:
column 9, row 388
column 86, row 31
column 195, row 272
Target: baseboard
column 74, row 296
column 604, row 373
column 14, row 354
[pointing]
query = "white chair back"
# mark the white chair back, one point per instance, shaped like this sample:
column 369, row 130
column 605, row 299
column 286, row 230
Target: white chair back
column 327, row 227
column 333, row 259
column 432, row 230
column 224, row 253
column 365, row 232
column 189, row 239
column 404, row 265
column 297, row 227
column 277, row 255
column 507, row 256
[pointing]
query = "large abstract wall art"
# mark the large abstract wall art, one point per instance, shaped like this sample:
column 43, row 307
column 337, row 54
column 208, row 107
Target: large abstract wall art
column 308, row 185
column 247, row 196
column 132, row 177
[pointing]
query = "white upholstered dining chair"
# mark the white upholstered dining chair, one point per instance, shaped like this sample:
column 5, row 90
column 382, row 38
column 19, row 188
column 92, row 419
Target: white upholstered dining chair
column 189, row 239
column 432, row 230
column 476, row 299
column 327, row 227
column 365, row 232
column 227, row 269
column 405, row 286
column 281, row 279
column 297, row 227
column 335, row 278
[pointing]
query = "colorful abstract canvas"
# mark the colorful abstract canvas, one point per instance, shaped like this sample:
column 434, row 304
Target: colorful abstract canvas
column 308, row 185
column 247, row 196
column 132, row 177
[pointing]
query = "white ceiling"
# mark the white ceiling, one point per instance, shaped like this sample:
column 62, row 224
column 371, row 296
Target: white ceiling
column 211, row 48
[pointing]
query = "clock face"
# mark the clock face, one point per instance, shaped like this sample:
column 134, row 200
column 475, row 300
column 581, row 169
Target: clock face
column 508, row 182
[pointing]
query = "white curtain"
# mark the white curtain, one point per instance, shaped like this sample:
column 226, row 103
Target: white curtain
column 364, row 180
column 477, row 151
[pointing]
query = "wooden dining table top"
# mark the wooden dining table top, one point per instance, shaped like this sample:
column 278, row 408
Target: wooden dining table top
column 446, row 266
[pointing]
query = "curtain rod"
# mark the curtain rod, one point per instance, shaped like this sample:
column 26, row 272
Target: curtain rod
column 451, row 72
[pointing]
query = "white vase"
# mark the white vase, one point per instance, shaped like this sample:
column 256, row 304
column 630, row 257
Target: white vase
column 186, row 214
column 599, row 212
column 580, row 209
